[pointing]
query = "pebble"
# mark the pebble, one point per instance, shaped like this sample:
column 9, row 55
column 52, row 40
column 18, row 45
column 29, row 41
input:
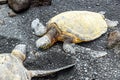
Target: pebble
column 97, row 4
column 1, row 22
column 86, row 78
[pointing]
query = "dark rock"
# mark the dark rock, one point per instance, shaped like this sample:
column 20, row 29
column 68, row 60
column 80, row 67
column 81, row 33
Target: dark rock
column 113, row 39
column 3, row 1
column 22, row 5
column 19, row 5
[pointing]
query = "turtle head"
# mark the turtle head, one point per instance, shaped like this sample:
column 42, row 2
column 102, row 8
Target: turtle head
column 20, row 51
column 38, row 27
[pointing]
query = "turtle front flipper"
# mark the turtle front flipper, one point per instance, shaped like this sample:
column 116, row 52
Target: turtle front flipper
column 38, row 27
column 68, row 45
column 111, row 23
column 19, row 51
column 48, row 39
column 41, row 73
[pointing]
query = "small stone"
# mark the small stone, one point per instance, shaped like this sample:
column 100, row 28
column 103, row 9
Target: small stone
column 89, row 7
column 116, row 3
column 37, row 54
column 113, row 39
column 86, row 78
column 98, row 4
column 3, row 2
column 11, row 13
column 1, row 22
column 102, row 12
column 86, row 70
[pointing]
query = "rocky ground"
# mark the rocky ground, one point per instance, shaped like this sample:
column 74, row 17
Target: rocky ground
column 15, row 30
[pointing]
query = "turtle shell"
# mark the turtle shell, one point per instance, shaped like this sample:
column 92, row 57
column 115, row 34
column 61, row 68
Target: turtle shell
column 81, row 25
column 12, row 68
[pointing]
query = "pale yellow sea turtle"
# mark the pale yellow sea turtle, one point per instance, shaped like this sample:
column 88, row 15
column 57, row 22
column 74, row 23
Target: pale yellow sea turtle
column 11, row 66
column 71, row 27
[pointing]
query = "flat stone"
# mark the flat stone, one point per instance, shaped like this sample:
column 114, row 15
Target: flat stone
column 3, row 2
column 11, row 13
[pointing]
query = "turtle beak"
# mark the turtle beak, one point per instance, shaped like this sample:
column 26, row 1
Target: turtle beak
column 43, row 42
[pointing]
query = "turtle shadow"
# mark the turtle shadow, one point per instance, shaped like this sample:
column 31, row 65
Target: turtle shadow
column 51, row 61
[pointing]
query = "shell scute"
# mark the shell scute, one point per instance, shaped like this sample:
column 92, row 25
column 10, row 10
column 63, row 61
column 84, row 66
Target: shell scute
column 83, row 25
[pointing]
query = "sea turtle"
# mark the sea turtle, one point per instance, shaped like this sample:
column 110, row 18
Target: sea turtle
column 71, row 27
column 11, row 66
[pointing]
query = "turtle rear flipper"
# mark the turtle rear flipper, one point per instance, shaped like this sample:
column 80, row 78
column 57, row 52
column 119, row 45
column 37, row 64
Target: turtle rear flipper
column 41, row 73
